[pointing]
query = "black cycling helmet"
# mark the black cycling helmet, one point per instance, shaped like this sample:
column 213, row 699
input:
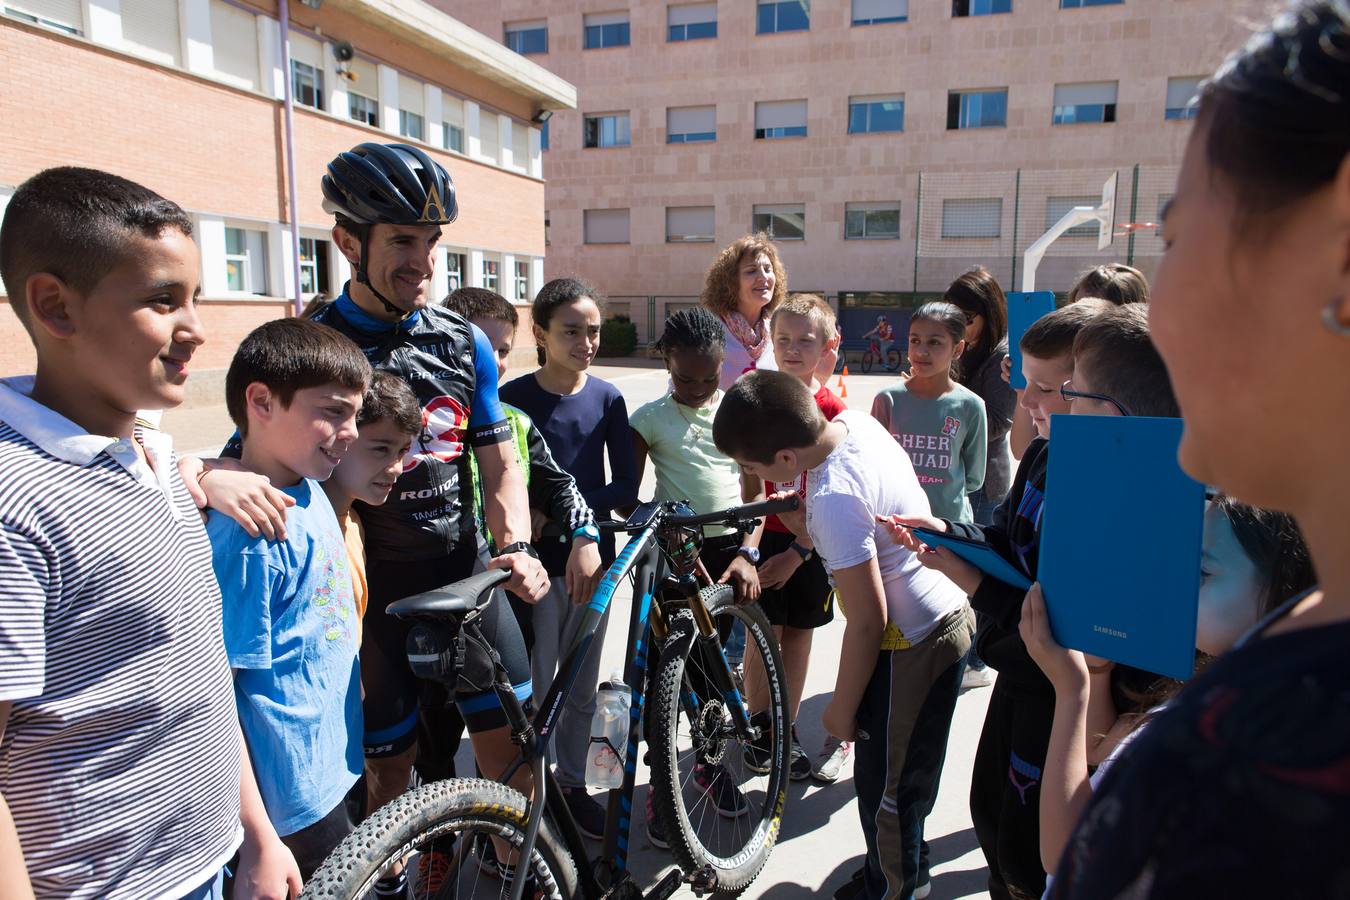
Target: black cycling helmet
column 389, row 184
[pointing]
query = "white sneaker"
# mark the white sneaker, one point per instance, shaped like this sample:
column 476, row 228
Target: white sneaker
column 977, row 678
column 923, row 890
column 831, row 760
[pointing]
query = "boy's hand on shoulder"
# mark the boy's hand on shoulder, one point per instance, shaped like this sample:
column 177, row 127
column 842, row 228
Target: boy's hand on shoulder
column 900, row 528
column 775, row 571
column 842, row 723
column 583, row 570
column 529, row 579
column 246, row 497
column 267, row 871
column 746, row 577
column 1066, row 669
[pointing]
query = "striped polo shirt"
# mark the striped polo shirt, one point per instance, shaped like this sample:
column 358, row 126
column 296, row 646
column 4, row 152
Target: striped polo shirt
column 120, row 758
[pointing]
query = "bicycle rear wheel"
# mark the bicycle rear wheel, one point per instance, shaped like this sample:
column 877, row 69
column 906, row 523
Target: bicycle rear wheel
column 893, row 360
column 444, row 831
column 697, row 756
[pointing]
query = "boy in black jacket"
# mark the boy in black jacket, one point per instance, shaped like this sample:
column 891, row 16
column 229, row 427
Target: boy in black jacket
column 1004, row 789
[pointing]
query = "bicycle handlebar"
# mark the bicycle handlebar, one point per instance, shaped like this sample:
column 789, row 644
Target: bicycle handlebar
column 737, row 513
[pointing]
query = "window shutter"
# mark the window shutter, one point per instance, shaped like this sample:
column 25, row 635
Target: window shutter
column 691, row 119
column 1101, row 92
column 150, row 29
column 234, row 42
column 781, row 114
column 605, row 226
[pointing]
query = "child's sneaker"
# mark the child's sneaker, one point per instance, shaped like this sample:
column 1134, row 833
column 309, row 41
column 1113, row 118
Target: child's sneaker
column 831, row 760
column 799, row 767
column 656, row 832
column 758, row 754
column 718, row 783
column 977, row 678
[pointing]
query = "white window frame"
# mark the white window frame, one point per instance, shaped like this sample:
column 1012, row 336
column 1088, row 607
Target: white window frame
column 774, row 211
column 868, row 207
column 254, row 272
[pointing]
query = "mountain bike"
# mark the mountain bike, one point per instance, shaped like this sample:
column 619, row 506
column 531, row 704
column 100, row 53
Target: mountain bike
column 696, row 722
column 891, row 360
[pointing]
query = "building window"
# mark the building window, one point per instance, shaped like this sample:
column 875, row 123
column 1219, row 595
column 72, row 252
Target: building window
column 605, row 226
column 522, row 281
column 977, row 109
column 780, row 119
column 455, row 266
column 1085, row 104
column 306, row 84
column 775, row 16
column 246, row 260
column 547, row 223
column 606, row 30
column 410, row 125
column 691, row 23
column 543, row 133
column 1181, row 94
column 689, row 224
column 1056, row 207
column 234, row 44
column 526, row 38
column 363, row 109
column 691, row 124
column 964, row 8
column 871, row 221
column 879, row 12
column 976, row 218
column 1076, row 4
column 867, row 115
column 491, row 274
column 609, row 130
column 313, row 266
column 782, row 223
column 62, row 15
column 454, row 138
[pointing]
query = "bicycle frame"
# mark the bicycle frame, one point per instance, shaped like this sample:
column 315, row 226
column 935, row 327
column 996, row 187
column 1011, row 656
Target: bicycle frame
column 643, row 558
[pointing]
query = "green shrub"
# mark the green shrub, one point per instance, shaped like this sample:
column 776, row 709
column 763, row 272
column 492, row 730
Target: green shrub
column 618, row 337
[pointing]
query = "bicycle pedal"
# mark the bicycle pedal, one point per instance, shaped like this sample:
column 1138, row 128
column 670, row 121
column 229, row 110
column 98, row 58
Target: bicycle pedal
column 702, row 881
column 627, row 889
column 666, row 886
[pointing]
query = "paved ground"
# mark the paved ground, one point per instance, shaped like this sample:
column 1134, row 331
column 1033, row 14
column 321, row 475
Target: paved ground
column 821, row 844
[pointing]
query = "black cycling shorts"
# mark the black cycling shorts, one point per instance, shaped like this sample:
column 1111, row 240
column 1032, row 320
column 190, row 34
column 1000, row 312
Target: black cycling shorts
column 807, row 600
column 393, row 693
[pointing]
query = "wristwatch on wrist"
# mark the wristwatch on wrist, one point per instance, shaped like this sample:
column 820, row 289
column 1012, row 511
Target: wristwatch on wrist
column 749, row 554
column 803, row 552
column 519, row 547
column 590, row 532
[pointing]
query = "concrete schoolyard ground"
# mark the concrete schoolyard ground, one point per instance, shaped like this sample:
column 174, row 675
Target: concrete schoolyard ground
column 820, row 845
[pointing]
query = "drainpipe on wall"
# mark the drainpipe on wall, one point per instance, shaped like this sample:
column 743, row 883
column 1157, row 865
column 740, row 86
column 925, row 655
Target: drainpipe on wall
column 283, row 9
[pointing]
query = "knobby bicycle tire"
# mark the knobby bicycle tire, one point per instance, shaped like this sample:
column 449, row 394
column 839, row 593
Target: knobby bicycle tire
column 457, row 806
column 736, row 866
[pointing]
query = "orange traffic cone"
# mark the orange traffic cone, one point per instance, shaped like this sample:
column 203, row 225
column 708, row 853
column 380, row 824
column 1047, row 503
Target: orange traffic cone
column 843, row 388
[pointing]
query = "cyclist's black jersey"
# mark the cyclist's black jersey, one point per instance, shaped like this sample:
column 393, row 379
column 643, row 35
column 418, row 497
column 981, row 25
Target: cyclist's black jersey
column 450, row 367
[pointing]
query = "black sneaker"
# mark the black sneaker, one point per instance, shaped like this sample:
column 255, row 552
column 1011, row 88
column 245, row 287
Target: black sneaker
column 758, row 754
column 588, row 813
column 799, row 769
column 718, row 783
column 852, row 889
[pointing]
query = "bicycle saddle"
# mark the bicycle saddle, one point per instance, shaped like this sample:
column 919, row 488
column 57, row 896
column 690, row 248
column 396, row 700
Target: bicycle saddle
column 456, row 598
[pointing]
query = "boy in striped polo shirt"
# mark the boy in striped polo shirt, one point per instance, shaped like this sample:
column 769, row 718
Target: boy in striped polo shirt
column 294, row 389
column 120, row 756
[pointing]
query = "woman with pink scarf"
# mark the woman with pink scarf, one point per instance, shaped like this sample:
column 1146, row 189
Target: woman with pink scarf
column 744, row 286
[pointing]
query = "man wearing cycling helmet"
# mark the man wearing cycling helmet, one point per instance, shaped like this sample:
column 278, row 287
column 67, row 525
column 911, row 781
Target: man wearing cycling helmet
column 390, row 201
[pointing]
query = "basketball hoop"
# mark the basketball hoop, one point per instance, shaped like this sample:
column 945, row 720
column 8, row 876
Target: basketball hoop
column 1125, row 229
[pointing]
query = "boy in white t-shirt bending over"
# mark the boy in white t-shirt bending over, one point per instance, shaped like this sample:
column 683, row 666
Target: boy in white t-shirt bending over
column 908, row 627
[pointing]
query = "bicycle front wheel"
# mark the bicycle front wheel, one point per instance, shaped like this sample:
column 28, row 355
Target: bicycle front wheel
column 450, row 835
column 719, row 796
column 867, row 359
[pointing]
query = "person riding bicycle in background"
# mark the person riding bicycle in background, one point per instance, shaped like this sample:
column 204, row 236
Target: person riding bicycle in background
column 884, row 332
column 390, row 202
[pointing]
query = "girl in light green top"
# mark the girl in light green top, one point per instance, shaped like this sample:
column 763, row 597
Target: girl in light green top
column 941, row 424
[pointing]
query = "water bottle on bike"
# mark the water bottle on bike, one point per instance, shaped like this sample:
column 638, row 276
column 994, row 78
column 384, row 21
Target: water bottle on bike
column 609, row 734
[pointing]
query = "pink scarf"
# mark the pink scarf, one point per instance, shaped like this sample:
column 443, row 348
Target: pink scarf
column 753, row 338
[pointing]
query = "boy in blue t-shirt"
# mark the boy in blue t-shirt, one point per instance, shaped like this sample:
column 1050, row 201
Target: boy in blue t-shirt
column 290, row 623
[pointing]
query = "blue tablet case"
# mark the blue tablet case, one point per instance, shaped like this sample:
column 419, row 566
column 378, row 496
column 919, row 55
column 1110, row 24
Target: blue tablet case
column 1023, row 309
column 1120, row 542
column 981, row 556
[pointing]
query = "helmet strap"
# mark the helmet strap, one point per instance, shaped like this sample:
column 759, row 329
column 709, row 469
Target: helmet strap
column 362, row 277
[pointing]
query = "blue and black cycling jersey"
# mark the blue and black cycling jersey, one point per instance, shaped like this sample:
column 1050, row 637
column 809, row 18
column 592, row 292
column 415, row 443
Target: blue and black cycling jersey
column 450, row 366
